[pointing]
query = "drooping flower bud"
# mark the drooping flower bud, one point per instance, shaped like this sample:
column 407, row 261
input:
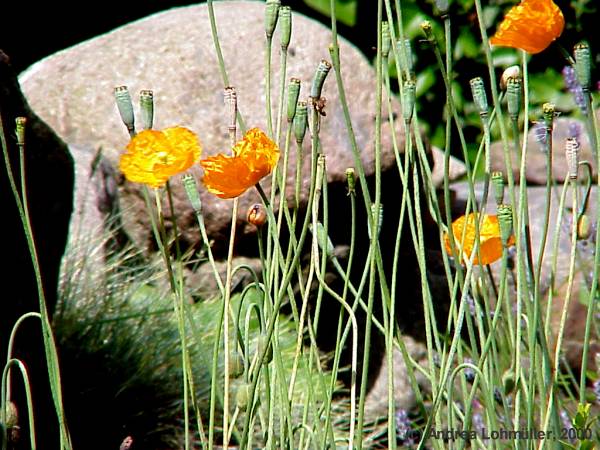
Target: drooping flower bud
column 265, row 346
column 584, row 227
column 257, row 215
column 509, row 72
column 242, row 396
column 236, row 364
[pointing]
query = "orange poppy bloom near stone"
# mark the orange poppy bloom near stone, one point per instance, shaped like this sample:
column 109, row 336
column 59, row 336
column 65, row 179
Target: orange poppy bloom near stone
column 531, row 25
column 254, row 157
column 152, row 157
column 490, row 244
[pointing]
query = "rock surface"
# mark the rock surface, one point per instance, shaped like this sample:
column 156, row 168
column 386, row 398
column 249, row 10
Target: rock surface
column 376, row 403
column 173, row 54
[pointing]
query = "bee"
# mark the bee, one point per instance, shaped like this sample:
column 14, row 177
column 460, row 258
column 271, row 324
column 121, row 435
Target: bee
column 320, row 104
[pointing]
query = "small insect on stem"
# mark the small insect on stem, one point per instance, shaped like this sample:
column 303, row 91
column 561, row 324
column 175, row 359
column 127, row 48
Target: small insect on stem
column 319, row 105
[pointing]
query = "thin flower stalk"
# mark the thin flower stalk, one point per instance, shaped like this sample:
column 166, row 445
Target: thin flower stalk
column 352, row 318
column 550, row 412
column 50, row 351
column 374, row 226
column 22, row 369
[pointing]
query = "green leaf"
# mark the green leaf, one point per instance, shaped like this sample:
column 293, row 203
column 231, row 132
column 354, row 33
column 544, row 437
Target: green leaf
column 582, row 416
column 425, row 80
column 466, row 44
column 345, row 10
column 505, row 56
column 587, row 445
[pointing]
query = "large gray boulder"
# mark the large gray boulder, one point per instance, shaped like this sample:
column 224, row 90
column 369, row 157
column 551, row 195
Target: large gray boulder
column 173, row 54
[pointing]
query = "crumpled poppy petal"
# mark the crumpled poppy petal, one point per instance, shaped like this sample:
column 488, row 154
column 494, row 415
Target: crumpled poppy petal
column 531, row 26
column 490, row 243
column 152, row 156
column 254, row 157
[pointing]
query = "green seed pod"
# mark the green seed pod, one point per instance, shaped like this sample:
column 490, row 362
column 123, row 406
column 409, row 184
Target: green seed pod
column 293, row 94
column 498, row 184
column 191, row 189
column 147, row 109
column 549, row 112
column 584, row 227
column 351, row 180
column 242, row 396
column 442, row 7
column 479, row 95
column 285, row 15
column 262, row 344
column 271, row 15
column 236, row 366
column 300, row 122
column 125, row 107
column 427, row 29
column 230, row 99
column 320, row 75
column 582, row 65
column 505, row 222
column 408, row 100
column 572, row 156
column 513, row 97
column 406, row 57
column 386, row 41
column 20, row 123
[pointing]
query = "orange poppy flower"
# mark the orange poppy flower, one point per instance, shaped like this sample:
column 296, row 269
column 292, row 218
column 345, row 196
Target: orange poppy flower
column 531, row 26
column 490, row 244
column 254, row 157
column 153, row 157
